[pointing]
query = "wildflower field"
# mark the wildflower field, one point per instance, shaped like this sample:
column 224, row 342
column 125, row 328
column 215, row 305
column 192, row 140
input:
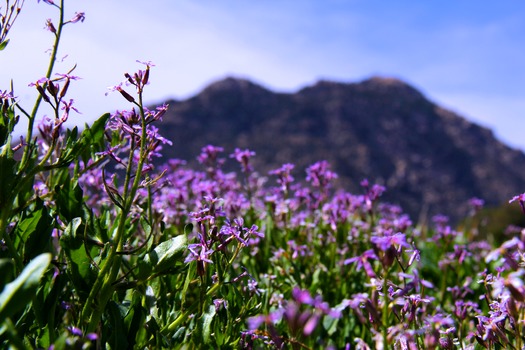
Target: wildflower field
column 102, row 249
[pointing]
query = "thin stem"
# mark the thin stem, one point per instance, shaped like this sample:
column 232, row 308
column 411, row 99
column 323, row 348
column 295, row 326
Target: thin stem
column 28, row 150
column 7, row 240
column 173, row 326
column 385, row 308
column 103, row 287
column 52, row 60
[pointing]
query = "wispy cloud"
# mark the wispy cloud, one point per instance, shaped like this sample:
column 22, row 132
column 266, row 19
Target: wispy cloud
column 466, row 55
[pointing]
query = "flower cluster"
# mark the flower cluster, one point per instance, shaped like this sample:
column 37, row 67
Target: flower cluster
column 103, row 247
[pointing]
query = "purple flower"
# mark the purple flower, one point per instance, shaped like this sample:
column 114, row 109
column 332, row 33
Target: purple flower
column 464, row 309
column 319, row 175
column 256, row 321
column 209, row 157
column 302, row 296
column 75, row 331
column 363, row 263
column 416, row 281
column 384, row 243
column 284, row 177
column 254, row 230
column 389, row 247
column 521, row 199
column 67, row 106
column 202, row 258
column 79, row 17
column 92, row 336
column 5, row 95
column 243, row 157
column 49, row 24
column 148, row 64
column 476, row 204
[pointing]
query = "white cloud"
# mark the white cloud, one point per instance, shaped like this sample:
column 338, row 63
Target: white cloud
column 472, row 66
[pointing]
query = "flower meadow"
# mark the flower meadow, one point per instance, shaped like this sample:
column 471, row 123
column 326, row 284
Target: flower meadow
column 102, row 248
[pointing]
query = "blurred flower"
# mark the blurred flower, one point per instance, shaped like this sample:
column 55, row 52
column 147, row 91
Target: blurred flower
column 201, row 254
column 363, row 263
column 243, row 157
column 284, row 177
column 49, row 24
column 319, row 175
column 79, row 17
column 521, row 199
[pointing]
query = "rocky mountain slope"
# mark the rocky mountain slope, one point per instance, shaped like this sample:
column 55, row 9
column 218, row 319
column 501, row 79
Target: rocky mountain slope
column 430, row 159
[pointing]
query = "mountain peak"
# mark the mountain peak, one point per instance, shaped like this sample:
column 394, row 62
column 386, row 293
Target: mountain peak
column 385, row 81
column 390, row 84
column 431, row 160
column 231, row 84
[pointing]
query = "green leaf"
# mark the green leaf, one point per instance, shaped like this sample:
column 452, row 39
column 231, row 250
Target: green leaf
column 164, row 256
column 206, row 324
column 50, row 293
column 9, row 331
column 8, row 122
column 69, row 200
column 34, row 231
column 90, row 141
column 135, row 318
column 6, row 271
column 73, row 146
column 118, row 334
column 17, row 294
column 3, row 44
column 94, row 137
column 78, row 261
column 7, row 178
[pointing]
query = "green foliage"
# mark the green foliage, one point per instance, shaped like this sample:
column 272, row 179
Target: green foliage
column 495, row 222
column 3, row 44
column 166, row 255
column 97, row 251
column 18, row 293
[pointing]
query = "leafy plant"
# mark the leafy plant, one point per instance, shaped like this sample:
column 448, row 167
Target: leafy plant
column 102, row 248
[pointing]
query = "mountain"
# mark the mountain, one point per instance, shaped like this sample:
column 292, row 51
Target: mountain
column 430, row 159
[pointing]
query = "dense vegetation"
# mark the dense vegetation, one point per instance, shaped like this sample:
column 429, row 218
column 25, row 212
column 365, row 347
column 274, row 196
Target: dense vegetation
column 101, row 249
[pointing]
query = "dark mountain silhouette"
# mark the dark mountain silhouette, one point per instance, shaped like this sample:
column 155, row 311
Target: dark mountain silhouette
column 430, row 159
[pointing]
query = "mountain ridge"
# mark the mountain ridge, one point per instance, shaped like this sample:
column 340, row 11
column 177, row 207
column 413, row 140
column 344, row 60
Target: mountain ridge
column 431, row 159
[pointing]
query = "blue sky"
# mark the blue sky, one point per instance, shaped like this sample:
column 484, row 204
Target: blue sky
column 468, row 56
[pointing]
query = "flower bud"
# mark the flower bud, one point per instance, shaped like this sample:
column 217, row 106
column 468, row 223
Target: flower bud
column 42, row 93
column 145, row 78
column 129, row 78
column 126, row 95
column 52, row 88
column 64, row 89
column 50, row 26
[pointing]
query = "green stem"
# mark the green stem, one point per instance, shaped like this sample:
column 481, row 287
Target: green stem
column 173, row 326
column 52, row 60
column 103, row 287
column 24, row 178
column 385, row 309
column 4, row 215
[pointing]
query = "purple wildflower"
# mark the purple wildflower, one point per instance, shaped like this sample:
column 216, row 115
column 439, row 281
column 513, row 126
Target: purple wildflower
column 363, row 263
column 389, row 247
column 78, row 17
column 202, row 258
column 319, row 175
column 521, row 199
column 284, row 177
column 243, row 157
column 49, row 25
column 476, row 205
column 75, row 331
